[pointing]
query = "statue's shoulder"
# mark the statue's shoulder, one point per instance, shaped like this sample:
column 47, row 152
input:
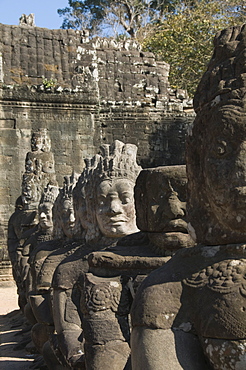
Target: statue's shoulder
column 70, row 269
column 158, row 299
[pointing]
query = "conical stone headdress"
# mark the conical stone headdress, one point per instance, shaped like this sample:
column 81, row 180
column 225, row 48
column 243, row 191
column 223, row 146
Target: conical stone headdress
column 220, row 106
column 49, row 194
column 65, row 193
column 225, row 78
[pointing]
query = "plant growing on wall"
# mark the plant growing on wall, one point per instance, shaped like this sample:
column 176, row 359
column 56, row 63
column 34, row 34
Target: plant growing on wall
column 49, row 83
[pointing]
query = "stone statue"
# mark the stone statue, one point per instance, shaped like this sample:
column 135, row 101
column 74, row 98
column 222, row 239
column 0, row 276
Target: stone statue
column 41, row 234
column 67, row 232
column 19, row 225
column 45, row 226
column 190, row 313
column 39, row 172
column 93, row 290
column 39, row 169
column 105, row 208
column 27, row 20
column 67, row 238
column 115, row 274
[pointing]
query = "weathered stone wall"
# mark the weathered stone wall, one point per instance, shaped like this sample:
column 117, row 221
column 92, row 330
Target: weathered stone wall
column 85, row 93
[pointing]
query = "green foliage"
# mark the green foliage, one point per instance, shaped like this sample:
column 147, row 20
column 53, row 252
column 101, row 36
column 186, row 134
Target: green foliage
column 83, row 14
column 127, row 16
column 184, row 39
column 52, row 82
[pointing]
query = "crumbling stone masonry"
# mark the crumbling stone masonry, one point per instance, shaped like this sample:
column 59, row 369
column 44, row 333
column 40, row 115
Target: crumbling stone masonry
column 85, row 93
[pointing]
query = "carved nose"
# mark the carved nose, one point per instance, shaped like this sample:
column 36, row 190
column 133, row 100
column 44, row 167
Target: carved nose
column 42, row 216
column 114, row 207
column 177, row 208
column 71, row 217
column 177, row 212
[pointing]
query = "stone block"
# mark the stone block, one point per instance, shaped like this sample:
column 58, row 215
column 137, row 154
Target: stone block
column 7, row 123
column 4, row 192
column 5, row 160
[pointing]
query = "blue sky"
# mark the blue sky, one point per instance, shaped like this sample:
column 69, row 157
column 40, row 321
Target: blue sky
column 45, row 11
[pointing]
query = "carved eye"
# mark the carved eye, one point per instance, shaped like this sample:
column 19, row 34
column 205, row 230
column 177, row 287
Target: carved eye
column 221, row 148
column 126, row 200
column 126, row 197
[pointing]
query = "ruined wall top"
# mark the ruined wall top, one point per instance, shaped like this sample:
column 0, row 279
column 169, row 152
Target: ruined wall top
column 68, row 61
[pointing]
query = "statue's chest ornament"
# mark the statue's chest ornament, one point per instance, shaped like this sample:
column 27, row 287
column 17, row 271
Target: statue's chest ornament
column 223, row 277
column 103, row 296
column 100, row 294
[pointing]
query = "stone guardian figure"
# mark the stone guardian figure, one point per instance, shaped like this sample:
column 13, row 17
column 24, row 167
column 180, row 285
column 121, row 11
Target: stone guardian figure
column 115, row 273
column 39, row 169
column 104, row 204
column 190, row 313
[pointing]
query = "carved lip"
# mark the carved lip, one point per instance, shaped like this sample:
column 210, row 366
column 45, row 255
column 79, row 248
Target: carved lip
column 117, row 220
column 44, row 222
column 176, row 225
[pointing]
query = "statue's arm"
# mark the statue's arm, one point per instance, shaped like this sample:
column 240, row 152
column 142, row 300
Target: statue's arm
column 161, row 338
column 68, row 326
column 165, row 349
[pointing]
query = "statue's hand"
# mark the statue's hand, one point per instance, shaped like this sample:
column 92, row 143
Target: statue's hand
column 77, row 362
column 70, row 343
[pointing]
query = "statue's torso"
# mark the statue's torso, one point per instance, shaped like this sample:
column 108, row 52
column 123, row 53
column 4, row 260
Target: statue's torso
column 201, row 291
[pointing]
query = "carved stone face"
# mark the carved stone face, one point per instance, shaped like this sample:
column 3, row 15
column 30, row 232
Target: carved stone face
column 225, row 169
column 67, row 218
column 115, row 211
column 168, row 207
column 161, row 199
column 36, row 142
column 45, row 216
